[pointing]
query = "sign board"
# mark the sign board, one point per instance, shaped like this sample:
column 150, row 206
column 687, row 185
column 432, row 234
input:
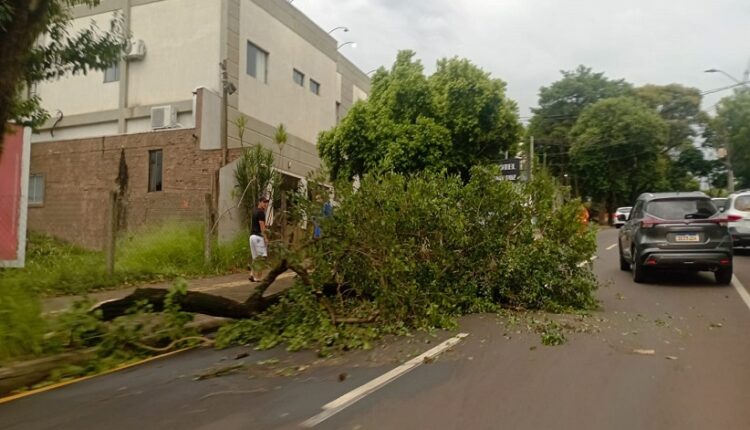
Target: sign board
column 511, row 168
column 14, row 189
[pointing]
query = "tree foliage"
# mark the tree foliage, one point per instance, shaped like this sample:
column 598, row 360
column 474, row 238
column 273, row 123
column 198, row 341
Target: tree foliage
column 617, row 151
column 560, row 105
column 406, row 252
column 255, row 177
column 731, row 129
column 36, row 45
column 452, row 120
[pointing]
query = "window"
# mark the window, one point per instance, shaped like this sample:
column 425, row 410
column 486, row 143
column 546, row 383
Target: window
column 257, row 63
column 112, row 73
column 678, row 209
column 338, row 112
column 742, row 203
column 36, row 189
column 299, row 78
column 314, row 87
column 154, row 170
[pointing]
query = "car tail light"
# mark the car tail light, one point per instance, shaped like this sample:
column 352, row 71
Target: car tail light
column 724, row 222
column 725, row 262
column 651, row 262
column 650, row 222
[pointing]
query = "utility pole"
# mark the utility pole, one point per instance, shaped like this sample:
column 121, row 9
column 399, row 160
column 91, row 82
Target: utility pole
column 531, row 158
column 224, row 103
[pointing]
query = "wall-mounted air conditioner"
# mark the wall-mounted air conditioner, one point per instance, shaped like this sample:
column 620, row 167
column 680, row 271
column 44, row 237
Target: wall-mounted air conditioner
column 163, row 117
column 135, row 51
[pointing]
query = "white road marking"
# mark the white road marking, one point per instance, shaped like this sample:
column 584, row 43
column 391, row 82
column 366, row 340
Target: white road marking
column 611, row 246
column 741, row 290
column 591, row 260
column 357, row 394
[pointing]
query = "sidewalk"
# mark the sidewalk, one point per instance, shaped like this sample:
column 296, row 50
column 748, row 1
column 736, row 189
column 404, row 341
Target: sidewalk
column 236, row 287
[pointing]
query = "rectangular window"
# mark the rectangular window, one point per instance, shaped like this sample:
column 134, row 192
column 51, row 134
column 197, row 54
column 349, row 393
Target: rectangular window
column 314, row 87
column 36, row 189
column 154, row 170
column 299, row 78
column 338, row 112
column 112, row 73
column 257, row 63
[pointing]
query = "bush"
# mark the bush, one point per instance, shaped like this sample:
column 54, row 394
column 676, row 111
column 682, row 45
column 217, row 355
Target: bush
column 21, row 326
column 418, row 251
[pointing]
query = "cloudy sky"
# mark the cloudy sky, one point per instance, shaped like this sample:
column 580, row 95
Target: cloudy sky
column 527, row 42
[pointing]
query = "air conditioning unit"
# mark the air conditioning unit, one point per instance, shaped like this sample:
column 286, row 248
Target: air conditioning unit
column 135, row 51
column 163, row 117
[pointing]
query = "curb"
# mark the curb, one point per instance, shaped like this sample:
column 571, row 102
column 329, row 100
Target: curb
column 19, row 375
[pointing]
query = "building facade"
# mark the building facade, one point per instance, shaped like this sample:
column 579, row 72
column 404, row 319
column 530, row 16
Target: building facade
column 158, row 127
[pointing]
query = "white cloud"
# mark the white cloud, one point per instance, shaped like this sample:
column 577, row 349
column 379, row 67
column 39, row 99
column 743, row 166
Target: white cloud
column 527, row 42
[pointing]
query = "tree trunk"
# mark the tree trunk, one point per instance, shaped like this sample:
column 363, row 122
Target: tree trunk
column 202, row 303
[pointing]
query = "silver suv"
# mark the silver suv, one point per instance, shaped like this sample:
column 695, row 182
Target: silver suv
column 737, row 210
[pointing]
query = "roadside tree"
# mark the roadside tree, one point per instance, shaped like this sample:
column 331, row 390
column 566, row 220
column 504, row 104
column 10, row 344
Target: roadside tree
column 617, row 151
column 26, row 62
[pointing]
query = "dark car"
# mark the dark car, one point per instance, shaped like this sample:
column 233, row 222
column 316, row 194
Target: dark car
column 676, row 231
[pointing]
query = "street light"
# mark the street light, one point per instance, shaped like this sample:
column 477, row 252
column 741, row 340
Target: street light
column 346, row 29
column 726, row 74
column 354, row 45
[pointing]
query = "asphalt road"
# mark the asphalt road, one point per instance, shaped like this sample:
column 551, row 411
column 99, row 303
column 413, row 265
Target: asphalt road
column 499, row 377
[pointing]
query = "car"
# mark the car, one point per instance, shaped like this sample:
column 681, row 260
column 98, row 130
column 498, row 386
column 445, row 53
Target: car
column 737, row 210
column 676, row 231
column 621, row 215
column 719, row 202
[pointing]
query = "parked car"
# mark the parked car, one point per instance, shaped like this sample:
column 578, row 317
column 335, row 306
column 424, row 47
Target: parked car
column 737, row 210
column 682, row 231
column 621, row 215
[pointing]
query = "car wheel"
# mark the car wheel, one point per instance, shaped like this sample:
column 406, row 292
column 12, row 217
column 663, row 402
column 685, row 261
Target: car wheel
column 637, row 269
column 723, row 276
column 624, row 265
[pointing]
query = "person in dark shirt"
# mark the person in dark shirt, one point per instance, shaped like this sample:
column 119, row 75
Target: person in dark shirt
column 258, row 237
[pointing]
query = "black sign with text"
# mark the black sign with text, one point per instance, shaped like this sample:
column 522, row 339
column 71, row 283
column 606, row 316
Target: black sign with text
column 511, row 169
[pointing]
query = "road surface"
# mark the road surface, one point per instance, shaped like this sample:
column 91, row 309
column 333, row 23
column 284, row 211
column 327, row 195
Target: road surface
column 691, row 373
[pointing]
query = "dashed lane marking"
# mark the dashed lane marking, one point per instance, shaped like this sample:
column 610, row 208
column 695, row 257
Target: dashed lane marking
column 357, row 394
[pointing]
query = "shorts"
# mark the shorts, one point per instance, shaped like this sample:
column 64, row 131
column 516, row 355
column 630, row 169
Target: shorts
column 258, row 246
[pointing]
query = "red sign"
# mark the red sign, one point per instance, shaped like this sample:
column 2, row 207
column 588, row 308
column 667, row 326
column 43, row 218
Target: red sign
column 14, row 164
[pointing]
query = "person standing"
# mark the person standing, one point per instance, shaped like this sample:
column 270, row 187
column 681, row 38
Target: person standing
column 258, row 238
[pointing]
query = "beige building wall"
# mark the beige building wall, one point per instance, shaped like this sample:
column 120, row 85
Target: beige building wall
column 81, row 93
column 182, row 40
column 280, row 99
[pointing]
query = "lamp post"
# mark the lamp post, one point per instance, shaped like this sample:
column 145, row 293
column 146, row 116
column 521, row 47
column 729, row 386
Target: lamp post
column 346, row 29
column 739, row 82
column 354, row 45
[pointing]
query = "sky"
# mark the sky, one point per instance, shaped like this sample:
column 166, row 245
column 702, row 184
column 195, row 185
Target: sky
column 527, row 43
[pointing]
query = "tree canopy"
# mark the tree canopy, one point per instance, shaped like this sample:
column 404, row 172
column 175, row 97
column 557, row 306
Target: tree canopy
column 560, row 105
column 730, row 129
column 456, row 118
column 36, row 45
column 617, row 150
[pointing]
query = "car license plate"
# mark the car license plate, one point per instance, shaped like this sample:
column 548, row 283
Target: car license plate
column 687, row 238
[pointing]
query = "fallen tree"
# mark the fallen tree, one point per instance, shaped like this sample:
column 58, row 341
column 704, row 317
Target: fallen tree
column 202, row 303
column 406, row 252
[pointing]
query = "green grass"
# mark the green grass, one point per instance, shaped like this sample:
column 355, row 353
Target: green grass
column 21, row 325
column 165, row 252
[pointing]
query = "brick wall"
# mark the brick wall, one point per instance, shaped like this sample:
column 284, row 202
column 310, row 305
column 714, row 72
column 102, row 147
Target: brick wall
column 79, row 174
